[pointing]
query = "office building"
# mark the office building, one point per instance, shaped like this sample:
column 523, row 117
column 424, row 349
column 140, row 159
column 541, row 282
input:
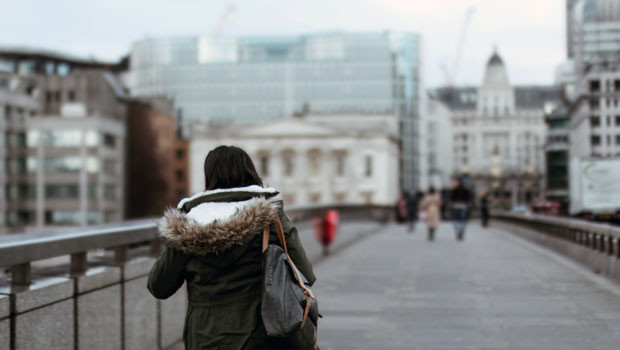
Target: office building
column 256, row 79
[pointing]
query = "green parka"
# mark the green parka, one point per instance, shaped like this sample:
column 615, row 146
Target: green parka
column 213, row 243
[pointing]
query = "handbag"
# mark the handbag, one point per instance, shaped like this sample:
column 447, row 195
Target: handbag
column 289, row 308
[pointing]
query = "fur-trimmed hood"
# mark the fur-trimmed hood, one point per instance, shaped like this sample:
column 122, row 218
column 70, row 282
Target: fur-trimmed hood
column 215, row 221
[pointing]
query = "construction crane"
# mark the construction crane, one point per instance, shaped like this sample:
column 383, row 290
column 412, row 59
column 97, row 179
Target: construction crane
column 450, row 74
column 221, row 22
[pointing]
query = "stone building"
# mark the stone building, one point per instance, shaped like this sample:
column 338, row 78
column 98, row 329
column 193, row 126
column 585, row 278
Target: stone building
column 499, row 132
column 313, row 159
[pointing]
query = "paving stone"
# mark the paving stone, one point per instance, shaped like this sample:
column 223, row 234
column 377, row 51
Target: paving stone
column 395, row 290
column 43, row 291
column 48, row 327
column 5, row 334
column 99, row 319
column 173, row 312
column 140, row 310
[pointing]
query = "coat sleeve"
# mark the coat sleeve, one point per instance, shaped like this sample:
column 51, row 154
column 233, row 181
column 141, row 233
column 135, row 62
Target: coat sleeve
column 167, row 275
column 295, row 249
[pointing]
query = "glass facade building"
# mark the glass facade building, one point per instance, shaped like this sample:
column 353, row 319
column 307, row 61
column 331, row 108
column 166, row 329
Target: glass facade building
column 252, row 79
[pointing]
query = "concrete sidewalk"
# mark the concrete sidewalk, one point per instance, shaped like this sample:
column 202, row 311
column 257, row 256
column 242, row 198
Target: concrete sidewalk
column 395, row 290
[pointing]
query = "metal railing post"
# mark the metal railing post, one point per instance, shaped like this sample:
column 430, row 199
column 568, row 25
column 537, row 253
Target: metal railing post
column 21, row 275
column 79, row 263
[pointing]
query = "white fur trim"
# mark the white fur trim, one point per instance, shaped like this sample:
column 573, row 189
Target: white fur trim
column 209, row 212
column 253, row 189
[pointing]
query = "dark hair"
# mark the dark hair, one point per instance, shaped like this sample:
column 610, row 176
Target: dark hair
column 229, row 167
column 431, row 190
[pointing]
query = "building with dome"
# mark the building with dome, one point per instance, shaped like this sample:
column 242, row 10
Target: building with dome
column 499, row 132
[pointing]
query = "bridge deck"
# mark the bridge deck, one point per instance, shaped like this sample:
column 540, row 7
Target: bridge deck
column 395, row 290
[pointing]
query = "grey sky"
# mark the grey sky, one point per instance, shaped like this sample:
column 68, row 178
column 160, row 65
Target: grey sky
column 530, row 34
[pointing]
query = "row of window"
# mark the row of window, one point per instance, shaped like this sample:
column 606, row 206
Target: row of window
column 57, row 191
column 595, row 85
column 65, row 164
column 595, row 121
column 314, row 162
column 59, row 138
column 59, row 217
column 596, row 140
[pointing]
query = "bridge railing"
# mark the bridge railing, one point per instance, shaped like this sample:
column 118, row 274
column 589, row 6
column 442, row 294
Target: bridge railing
column 592, row 244
column 91, row 291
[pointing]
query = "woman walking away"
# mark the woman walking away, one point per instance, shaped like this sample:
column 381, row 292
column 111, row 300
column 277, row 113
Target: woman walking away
column 460, row 198
column 431, row 204
column 213, row 244
column 484, row 209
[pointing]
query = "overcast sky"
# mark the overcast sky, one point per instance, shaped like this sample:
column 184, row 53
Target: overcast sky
column 529, row 34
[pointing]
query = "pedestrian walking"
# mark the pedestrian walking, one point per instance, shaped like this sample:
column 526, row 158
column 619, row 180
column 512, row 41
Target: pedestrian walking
column 213, row 244
column 402, row 207
column 412, row 210
column 484, row 208
column 460, row 197
column 431, row 205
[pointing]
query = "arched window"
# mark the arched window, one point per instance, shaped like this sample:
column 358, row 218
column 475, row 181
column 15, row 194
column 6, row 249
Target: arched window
column 288, row 162
column 263, row 163
column 314, row 162
column 340, row 158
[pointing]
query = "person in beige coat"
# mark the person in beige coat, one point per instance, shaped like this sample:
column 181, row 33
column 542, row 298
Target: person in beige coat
column 431, row 205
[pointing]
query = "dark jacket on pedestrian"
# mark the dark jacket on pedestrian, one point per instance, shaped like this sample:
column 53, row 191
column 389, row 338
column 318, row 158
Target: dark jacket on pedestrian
column 460, row 195
column 213, row 244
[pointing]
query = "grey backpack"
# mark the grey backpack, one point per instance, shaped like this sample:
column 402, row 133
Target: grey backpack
column 288, row 308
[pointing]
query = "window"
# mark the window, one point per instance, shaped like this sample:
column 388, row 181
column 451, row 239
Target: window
column 368, row 166
column 109, row 192
column 340, row 197
column 617, row 139
column 288, row 162
column 62, row 191
column 62, row 138
column 618, row 120
column 110, row 166
column 617, row 85
column 180, row 175
column 315, row 197
column 180, row 154
column 609, row 139
column 25, row 217
column 595, row 86
column 595, row 140
column 595, row 121
column 21, row 139
column 71, row 95
column 608, row 121
column 314, row 162
column 26, row 191
column 62, row 217
column 594, row 103
column 109, row 140
column 340, row 158
column 263, row 164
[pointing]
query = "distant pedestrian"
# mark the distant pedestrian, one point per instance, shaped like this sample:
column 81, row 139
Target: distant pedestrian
column 460, row 198
column 431, row 205
column 484, row 208
column 402, row 207
column 412, row 210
